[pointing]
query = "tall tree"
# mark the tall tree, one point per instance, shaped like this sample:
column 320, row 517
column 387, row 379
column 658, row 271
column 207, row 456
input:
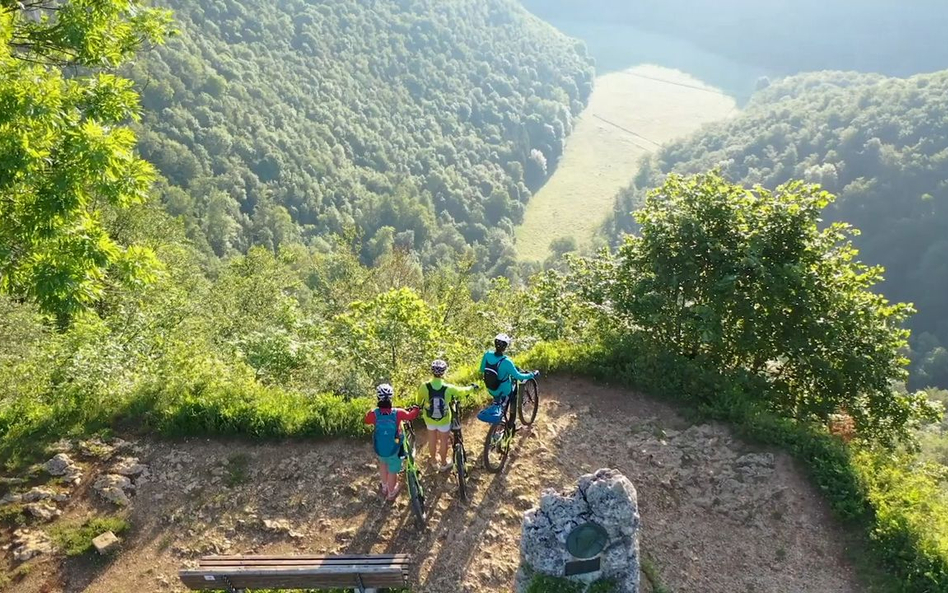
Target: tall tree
column 65, row 151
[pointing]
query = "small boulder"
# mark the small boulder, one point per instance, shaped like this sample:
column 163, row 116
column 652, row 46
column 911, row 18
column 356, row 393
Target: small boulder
column 128, row 466
column 61, row 465
column 105, row 543
column 113, row 488
column 11, row 498
column 97, row 448
column 58, row 465
column 277, row 525
column 43, row 511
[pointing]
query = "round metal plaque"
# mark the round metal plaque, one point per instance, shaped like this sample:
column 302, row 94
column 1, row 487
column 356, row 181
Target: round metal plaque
column 587, row 540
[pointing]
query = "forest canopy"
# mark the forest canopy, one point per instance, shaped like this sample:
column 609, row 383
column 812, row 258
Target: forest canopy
column 880, row 144
column 424, row 124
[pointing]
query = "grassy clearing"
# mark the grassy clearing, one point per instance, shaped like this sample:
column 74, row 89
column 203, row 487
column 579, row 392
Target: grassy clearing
column 75, row 539
column 629, row 115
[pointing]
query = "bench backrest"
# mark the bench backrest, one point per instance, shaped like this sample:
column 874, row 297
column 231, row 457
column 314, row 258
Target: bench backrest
column 297, row 572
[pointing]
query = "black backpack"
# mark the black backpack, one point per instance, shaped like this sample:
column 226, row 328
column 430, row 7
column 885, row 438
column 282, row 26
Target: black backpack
column 436, row 401
column 492, row 375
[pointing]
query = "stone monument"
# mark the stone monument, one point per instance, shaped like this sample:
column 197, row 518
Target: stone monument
column 587, row 535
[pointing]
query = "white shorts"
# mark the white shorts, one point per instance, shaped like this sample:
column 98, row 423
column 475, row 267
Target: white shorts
column 438, row 427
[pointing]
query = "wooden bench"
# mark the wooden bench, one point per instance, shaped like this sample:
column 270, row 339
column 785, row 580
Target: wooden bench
column 237, row 573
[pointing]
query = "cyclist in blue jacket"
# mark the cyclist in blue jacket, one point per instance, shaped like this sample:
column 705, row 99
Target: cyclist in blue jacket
column 500, row 373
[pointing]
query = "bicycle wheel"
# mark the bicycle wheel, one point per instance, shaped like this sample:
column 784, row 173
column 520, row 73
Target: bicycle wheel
column 495, row 451
column 528, row 403
column 460, row 466
column 417, row 498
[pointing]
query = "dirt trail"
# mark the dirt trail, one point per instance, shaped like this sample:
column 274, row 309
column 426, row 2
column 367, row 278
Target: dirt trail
column 718, row 516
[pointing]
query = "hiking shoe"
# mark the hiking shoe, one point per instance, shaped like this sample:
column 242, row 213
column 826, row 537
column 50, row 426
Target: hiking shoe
column 446, row 467
column 394, row 494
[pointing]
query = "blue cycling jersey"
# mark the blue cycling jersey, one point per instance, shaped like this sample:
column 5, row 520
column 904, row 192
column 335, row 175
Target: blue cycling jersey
column 507, row 372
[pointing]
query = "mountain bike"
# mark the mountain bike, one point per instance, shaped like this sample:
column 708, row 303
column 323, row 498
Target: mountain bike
column 459, row 454
column 416, row 493
column 525, row 402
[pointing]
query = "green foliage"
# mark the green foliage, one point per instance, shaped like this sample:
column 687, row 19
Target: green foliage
column 12, row 515
column 650, row 572
column 75, row 538
column 65, row 155
column 276, row 345
column 745, row 281
column 421, row 123
column 548, row 584
column 878, row 143
column 395, row 335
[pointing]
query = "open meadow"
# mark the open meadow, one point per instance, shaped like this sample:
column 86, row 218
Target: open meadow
column 631, row 113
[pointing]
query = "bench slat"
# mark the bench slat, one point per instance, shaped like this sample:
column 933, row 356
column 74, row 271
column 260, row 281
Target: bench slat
column 309, row 557
column 289, row 581
column 225, row 563
column 201, row 584
column 243, row 577
column 298, row 572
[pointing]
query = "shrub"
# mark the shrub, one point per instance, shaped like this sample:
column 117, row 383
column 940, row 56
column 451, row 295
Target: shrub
column 75, row 539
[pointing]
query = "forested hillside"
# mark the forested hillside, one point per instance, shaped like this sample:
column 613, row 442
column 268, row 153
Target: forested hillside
column 423, row 123
column 786, row 36
column 881, row 144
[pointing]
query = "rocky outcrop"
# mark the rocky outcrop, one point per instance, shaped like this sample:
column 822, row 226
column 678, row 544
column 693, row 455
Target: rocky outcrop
column 605, row 499
column 43, row 511
column 29, row 544
column 35, row 494
column 61, row 465
column 114, row 488
column 128, row 466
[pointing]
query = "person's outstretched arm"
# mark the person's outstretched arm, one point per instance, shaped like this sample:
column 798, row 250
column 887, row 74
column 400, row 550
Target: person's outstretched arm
column 409, row 414
column 455, row 391
column 514, row 373
column 369, row 417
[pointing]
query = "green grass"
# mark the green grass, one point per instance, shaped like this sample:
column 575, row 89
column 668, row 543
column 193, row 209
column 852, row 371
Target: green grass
column 12, row 515
column 75, row 539
column 548, row 584
column 654, row 578
column 601, row 159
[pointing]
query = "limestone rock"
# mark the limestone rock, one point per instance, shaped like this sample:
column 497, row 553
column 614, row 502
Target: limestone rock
column 11, row 498
column 96, row 447
column 606, row 498
column 29, row 544
column 63, row 465
column 113, row 487
column 277, row 525
column 35, row 494
column 105, row 543
column 128, row 466
column 43, row 511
